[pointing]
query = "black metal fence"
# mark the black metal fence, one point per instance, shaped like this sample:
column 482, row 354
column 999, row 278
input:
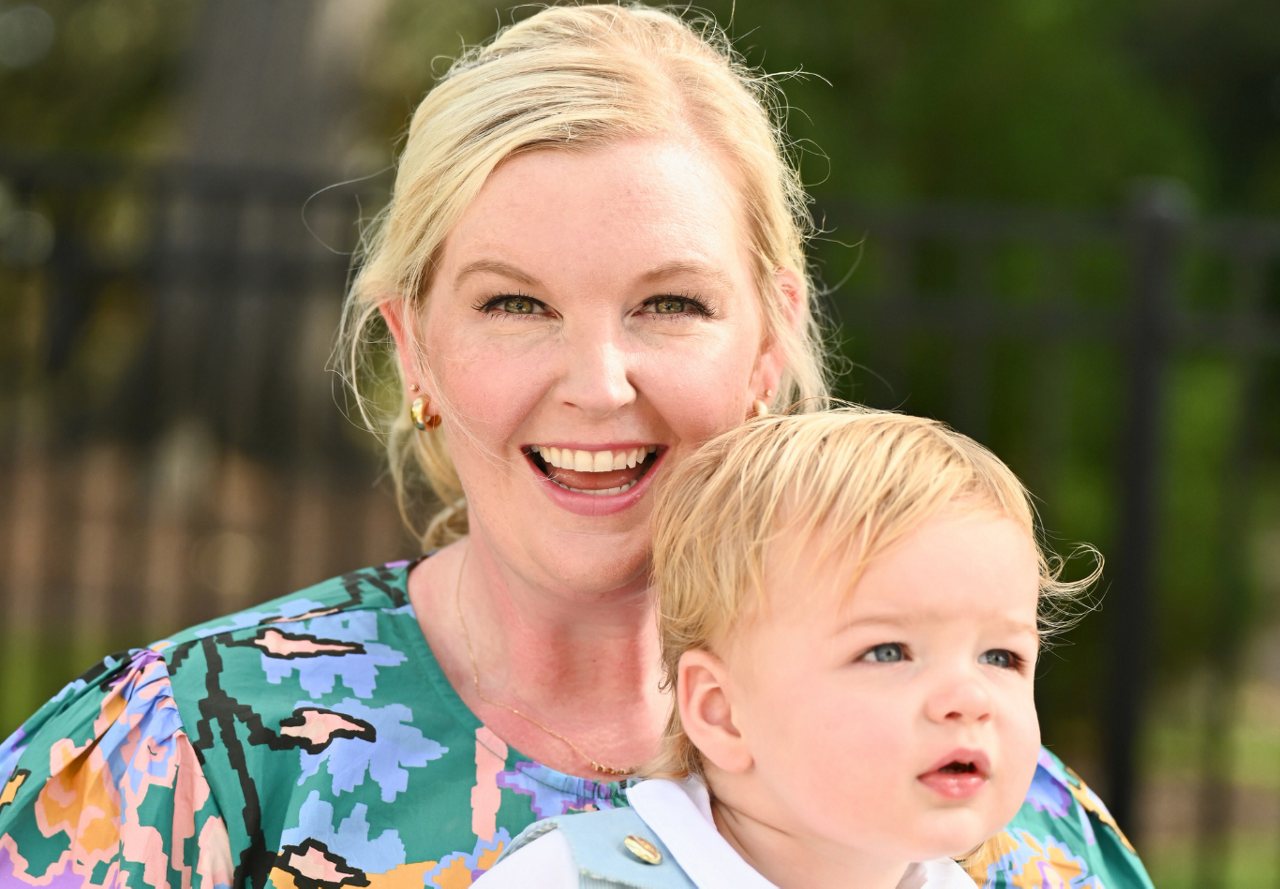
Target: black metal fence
column 171, row 446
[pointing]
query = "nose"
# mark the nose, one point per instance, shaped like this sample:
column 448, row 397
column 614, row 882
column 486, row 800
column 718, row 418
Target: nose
column 959, row 698
column 598, row 377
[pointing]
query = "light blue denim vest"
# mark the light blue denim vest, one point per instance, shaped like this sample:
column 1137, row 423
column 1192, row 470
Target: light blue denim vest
column 595, row 839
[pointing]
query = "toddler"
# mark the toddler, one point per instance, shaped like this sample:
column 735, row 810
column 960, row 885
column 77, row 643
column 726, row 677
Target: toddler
column 851, row 604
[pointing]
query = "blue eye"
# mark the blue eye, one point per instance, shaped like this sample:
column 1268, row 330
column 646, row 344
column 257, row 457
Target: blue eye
column 888, row 653
column 999, row 657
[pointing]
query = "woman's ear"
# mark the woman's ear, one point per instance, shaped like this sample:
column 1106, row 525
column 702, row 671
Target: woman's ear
column 704, row 696
column 792, row 289
column 767, row 375
column 399, row 323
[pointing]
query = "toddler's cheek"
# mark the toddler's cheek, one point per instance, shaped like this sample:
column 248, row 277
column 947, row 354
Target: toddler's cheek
column 1022, row 752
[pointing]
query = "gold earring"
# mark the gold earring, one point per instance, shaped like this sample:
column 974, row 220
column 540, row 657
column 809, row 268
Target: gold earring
column 413, row 387
column 768, row 393
column 422, row 419
column 762, row 409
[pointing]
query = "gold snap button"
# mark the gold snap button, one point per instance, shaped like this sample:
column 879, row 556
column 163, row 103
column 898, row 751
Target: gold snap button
column 643, row 849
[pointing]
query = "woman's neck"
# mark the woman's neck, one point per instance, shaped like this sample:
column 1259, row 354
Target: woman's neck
column 584, row 667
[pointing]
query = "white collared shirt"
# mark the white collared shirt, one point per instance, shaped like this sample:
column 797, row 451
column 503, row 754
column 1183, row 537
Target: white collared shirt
column 680, row 814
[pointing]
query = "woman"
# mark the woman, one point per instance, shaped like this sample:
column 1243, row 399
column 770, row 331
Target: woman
column 593, row 262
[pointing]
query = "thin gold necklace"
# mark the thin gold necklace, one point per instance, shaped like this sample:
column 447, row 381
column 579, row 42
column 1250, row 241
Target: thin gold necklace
column 475, row 678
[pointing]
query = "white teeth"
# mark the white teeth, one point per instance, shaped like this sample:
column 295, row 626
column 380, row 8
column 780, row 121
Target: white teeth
column 605, row 493
column 593, row 461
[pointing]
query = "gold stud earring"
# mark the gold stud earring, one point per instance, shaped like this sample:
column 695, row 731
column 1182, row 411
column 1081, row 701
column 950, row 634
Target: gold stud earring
column 762, row 409
column 768, row 393
column 418, row 412
column 413, row 387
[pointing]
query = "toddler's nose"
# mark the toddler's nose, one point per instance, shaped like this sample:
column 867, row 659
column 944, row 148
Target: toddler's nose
column 962, row 698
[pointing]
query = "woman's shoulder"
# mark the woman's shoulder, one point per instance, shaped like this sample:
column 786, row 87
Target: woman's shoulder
column 85, row 781
column 379, row 588
column 1063, row 828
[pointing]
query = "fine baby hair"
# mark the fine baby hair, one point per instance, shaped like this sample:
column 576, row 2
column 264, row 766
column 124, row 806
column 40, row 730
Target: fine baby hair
column 845, row 477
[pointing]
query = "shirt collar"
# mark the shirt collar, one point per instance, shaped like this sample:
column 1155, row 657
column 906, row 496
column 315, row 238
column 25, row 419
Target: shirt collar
column 680, row 814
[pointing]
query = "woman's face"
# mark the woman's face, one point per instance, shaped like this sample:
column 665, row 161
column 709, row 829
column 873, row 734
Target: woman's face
column 592, row 320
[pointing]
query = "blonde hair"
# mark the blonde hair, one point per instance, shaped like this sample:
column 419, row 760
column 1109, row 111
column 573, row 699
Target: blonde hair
column 572, row 78
column 850, row 478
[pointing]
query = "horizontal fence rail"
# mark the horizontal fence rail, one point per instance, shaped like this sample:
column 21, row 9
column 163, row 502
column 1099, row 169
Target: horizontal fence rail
column 171, row 446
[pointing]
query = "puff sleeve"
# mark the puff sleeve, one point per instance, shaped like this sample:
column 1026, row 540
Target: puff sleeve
column 102, row 787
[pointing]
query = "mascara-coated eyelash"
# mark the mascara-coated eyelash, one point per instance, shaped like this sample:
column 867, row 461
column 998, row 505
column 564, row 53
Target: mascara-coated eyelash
column 491, row 305
column 690, row 305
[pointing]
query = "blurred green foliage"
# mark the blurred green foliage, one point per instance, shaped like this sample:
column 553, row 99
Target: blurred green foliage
column 108, row 81
column 1039, row 101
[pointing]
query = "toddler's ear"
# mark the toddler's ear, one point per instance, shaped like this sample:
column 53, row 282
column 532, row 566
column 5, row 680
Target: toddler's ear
column 706, row 711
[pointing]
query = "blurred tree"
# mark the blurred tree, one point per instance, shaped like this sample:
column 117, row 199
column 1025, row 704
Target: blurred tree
column 82, row 76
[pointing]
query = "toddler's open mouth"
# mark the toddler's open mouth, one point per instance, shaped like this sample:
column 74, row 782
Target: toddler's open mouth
column 958, row 775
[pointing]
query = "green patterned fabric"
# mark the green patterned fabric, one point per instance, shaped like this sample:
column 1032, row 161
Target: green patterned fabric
column 314, row 742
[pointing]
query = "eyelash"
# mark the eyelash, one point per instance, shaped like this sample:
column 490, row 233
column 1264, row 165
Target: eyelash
column 487, row 305
column 694, row 306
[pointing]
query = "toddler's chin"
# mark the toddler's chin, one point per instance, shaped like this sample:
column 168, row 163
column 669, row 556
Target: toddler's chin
column 956, row 841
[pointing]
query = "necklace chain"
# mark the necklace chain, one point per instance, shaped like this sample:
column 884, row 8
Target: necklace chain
column 475, row 678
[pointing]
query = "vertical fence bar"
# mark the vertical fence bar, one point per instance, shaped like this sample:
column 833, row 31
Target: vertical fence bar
column 1228, row 624
column 1158, row 216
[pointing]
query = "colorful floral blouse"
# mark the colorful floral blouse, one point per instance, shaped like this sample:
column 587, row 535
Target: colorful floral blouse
column 314, row 743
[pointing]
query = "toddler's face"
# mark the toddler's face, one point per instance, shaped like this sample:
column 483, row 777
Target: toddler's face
column 899, row 718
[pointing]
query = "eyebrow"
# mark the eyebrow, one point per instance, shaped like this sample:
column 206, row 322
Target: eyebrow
column 665, row 270
column 685, row 267
column 495, row 267
column 905, row 620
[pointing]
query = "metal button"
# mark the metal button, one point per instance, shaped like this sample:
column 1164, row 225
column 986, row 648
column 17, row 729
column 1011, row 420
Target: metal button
column 643, row 849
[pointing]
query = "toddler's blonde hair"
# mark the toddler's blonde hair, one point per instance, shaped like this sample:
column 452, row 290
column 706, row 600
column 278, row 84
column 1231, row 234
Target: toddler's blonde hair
column 850, row 478
column 573, row 78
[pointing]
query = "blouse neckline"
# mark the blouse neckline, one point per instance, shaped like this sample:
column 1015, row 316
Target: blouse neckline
column 424, row 660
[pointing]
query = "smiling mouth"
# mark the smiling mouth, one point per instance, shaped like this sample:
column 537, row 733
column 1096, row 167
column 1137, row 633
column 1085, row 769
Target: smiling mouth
column 597, row 473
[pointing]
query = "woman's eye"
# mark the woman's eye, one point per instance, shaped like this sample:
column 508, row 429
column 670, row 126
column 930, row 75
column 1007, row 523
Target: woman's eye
column 888, row 653
column 676, row 305
column 518, row 305
column 1000, row 657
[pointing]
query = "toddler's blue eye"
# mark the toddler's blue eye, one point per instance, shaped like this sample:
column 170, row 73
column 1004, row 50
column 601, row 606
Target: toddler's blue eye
column 998, row 657
column 888, row 653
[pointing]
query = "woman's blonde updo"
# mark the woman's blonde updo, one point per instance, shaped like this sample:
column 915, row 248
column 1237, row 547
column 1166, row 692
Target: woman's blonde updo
column 570, row 78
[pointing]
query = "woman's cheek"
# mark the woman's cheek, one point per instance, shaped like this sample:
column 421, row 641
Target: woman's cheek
column 496, row 391
column 699, row 389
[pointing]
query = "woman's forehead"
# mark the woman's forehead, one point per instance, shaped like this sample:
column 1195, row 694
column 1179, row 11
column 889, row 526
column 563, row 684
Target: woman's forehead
column 652, row 202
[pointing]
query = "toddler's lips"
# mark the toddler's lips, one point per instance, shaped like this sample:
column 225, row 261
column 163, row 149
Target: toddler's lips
column 958, row 775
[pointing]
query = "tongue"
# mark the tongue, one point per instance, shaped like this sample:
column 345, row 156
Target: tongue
column 595, row 481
